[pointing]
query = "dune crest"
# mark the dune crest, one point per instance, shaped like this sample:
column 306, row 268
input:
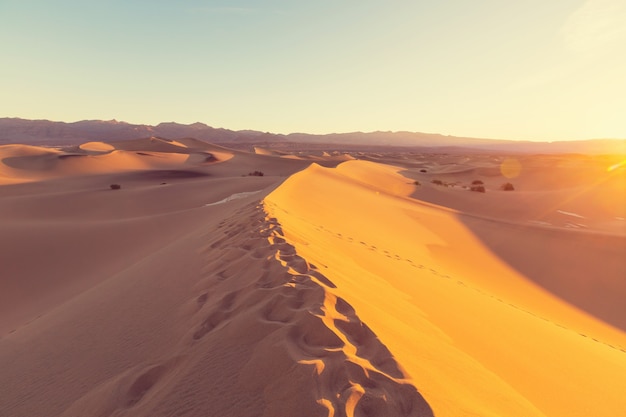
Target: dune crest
column 202, row 309
column 263, row 324
column 96, row 147
column 450, row 311
column 196, row 288
column 22, row 163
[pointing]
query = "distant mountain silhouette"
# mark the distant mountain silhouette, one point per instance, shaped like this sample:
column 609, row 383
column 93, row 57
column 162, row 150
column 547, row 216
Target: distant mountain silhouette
column 45, row 132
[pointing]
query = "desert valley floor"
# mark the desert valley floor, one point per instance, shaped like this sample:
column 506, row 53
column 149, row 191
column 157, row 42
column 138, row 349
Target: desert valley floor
column 335, row 285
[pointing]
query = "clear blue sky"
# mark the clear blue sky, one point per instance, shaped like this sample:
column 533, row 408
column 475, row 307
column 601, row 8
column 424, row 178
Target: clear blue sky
column 528, row 69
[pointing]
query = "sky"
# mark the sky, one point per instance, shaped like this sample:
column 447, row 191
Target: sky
column 506, row 69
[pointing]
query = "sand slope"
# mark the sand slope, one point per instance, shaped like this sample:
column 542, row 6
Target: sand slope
column 176, row 296
column 198, row 290
column 572, row 191
column 476, row 336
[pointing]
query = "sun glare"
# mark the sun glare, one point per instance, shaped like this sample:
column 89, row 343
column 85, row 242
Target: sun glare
column 617, row 166
column 511, row 168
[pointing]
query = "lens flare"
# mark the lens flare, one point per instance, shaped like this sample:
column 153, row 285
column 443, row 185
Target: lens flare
column 511, row 168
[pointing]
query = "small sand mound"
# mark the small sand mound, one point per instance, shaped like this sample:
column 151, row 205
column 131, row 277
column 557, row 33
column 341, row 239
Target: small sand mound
column 170, row 141
column 152, row 144
column 268, row 152
column 97, row 147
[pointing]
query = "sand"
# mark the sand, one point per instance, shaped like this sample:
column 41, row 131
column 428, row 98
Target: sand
column 336, row 290
column 500, row 340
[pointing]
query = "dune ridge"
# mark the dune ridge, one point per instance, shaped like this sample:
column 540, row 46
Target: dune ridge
column 256, row 331
column 302, row 330
column 353, row 372
column 451, row 311
column 339, row 291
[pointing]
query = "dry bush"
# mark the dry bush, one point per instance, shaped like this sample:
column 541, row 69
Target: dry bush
column 115, row 186
column 478, row 188
column 507, row 187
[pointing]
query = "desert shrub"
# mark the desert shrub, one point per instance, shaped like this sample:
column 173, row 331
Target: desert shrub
column 417, row 183
column 256, row 174
column 422, row 170
column 477, row 182
column 437, row 182
column 115, row 186
column 507, row 187
column 477, row 188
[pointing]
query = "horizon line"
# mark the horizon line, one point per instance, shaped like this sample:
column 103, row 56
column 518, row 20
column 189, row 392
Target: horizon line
column 114, row 120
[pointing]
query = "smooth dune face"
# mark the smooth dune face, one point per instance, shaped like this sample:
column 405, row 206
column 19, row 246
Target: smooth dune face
column 475, row 335
column 308, row 156
column 21, row 163
column 263, row 151
column 196, row 289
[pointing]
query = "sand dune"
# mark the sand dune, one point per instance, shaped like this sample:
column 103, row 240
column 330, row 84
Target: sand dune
column 547, row 189
column 323, row 156
column 225, row 319
column 198, row 290
column 97, row 147
column 264, row 151
column 475, row 335
column 21, row 163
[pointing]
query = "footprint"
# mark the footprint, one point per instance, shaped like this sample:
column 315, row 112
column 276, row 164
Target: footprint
column 277, row 311
column 202, row 298
column 260, row 253
column 279, row 241
column 344, row 308
column 227, row 303
column 209, row 324
column 143, row 384
column 223, row 275
column 368, row 346
column 299, row 264
column 322, row 279
column 313, row 338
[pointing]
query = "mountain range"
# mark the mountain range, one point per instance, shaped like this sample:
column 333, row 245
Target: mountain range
column 52, row 133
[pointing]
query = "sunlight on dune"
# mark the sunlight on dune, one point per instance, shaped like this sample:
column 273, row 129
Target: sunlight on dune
column 351, row 289
column 446, row 306
column 617, row 166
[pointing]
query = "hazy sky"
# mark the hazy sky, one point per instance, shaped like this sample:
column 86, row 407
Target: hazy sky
column 517, row 69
